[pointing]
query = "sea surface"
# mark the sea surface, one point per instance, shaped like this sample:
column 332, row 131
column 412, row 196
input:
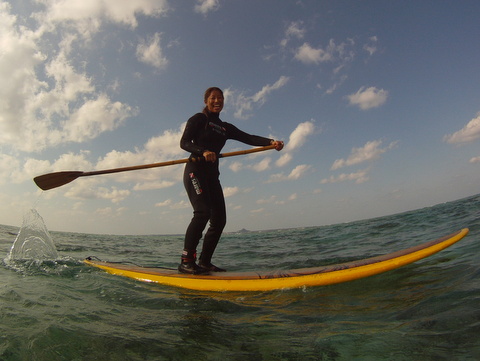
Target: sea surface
column 54, row 307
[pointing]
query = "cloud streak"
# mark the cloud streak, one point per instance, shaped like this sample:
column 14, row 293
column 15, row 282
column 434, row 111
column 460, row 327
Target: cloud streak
column 243, row 105
column 87, row 16
column 368, row 98
column 357, row 177
column 150, row 52
column 469, row 133
column 46, row 100
column 298, row 172
column 369, row 152
column 206, row 6
column 296, row 30
column 296, row 140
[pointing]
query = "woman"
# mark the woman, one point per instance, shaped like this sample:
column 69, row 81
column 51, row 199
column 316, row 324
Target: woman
column 205, row 135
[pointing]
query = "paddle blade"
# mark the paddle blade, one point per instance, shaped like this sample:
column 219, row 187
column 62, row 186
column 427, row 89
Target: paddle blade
column 57, row 179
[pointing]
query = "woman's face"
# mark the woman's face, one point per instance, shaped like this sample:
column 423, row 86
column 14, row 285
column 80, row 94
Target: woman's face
column 214, row 102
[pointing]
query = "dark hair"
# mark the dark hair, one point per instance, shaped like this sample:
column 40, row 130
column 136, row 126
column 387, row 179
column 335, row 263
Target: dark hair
column 207, row 94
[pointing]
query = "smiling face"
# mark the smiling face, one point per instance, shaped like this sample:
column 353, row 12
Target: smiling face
column 214, row 101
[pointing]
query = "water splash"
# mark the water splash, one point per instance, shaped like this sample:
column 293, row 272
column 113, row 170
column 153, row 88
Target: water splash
column 33, row 241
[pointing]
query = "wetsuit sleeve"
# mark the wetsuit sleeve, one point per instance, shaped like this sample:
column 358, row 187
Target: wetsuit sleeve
column 187, row 142
column 237, row 134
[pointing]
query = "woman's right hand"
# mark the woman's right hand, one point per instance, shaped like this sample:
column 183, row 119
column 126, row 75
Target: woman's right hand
column 210, row 156
column 278, row 144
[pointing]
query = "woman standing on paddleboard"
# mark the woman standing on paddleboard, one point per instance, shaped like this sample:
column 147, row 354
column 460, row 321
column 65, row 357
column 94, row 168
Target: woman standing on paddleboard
column 205, row 135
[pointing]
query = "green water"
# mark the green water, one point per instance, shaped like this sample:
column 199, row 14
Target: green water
column 63, row 310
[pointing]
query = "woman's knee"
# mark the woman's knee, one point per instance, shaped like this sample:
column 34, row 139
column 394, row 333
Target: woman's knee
column 218, row 222
column 201, row 217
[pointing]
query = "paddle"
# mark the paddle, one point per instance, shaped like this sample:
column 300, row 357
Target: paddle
column 58, row 179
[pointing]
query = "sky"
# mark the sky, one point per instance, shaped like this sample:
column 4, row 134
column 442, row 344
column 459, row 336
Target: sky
column 378, row 103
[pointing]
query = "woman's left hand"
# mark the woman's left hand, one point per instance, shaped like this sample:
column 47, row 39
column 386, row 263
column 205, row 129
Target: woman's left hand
column 278, row 144
column 210, row 156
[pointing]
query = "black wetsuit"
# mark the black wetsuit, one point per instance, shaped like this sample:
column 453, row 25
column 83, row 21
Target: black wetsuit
column 207, row 132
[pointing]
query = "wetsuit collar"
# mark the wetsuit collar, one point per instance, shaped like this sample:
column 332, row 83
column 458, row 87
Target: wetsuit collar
column 211, row 115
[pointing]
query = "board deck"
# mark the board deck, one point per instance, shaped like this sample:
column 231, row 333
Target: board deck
column 267, row 281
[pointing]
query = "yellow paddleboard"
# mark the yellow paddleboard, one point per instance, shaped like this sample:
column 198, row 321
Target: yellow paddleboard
column 266, row 281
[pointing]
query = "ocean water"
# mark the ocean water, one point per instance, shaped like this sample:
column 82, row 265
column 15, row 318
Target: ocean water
column 53, row 307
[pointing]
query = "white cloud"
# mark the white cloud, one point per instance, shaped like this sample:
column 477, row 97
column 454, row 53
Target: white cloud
column 261, row 96
column 81, row 191
column 299, row 136
column 284, row 159
column 110, row 212
column 69, row 84
column 158, row 149
column 180, row 205
column 8, row 166
column 94, row 117
column 145, row 186
column 150, row 52
column 243, row 104
column 370, row 151
column 367, row 98
column 357, row 177
column 236, row 166
column 298, row 172
column 72, row 161
column 230, row 191
column 155, row 150
column 371, row 46
column 309, row 55
column 296, row 140
column 334, row 57
column 332, row 52
column 260, row 166
column 467, row 134
column 91, row 188
column 33, row 167
column 166, row 203
column 46, row 101
column 272, row 199
column 87, row 16
column 474, row 160
column 263, row 165
column 167, row 143
column 294, row 30
column 336, row 84
column 206, row 6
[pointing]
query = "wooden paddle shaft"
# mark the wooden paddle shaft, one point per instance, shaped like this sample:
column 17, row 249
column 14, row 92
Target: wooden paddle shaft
column 58, row 179
column 173, row 162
